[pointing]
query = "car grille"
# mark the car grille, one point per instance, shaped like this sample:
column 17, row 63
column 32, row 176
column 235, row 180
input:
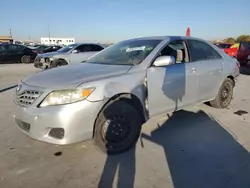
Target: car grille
column 27, row 97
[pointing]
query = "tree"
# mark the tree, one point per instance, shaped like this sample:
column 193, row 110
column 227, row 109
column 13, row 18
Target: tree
column 230, row 40
column 214, row 41
column 243, row 38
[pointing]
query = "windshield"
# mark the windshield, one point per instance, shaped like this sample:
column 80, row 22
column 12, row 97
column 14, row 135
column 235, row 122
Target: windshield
column 67, row 48
column 125, row 53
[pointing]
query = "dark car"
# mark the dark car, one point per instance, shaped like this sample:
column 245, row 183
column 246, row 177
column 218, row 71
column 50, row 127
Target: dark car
column 51, row 49
column 10, row 53
column 39, row 49
column 244, row 53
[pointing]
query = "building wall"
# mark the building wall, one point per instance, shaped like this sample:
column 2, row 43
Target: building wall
column 6, row 39
column 57, row 41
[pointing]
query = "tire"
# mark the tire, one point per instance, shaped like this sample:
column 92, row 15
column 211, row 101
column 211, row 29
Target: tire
column 25, row 59
column 58, row 63
column 117, row 128
column 224, row 96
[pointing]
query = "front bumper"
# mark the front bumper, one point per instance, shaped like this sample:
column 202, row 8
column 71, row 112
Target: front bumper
column 76, row 120
column 42, row 62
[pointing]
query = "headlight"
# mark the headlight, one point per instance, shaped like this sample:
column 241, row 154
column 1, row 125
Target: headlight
column 51, row 58
column 66, row 96
column 42, row 60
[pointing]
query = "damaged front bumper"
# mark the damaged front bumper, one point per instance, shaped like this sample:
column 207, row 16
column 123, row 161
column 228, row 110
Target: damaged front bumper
column 42, row 63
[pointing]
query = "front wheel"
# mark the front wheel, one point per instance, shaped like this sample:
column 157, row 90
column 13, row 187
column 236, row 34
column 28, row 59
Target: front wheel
column 224, row 96
column 117, row 128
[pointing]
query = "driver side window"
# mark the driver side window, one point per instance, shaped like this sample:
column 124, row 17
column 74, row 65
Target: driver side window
column 177, row 49
column 83, row 48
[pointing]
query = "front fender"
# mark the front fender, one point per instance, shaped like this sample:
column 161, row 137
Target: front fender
column 108, row 90
column 112, row 86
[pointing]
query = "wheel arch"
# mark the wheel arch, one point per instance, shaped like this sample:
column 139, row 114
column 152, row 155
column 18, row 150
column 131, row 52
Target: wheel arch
column 129, row 98
column 231, row 78
column 55, row 61
column 62, row 59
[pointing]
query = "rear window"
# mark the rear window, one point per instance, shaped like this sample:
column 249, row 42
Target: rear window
column 245, row 46
column 224, row 45
column 2, row 49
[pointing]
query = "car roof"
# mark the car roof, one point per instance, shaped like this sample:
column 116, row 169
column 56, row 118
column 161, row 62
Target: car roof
column 87, row 43
column 245, row 42
column 167, row 38
column 7, row 44
column 4, row 44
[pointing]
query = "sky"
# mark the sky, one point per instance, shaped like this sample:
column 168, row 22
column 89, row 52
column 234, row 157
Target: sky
column 115, row 20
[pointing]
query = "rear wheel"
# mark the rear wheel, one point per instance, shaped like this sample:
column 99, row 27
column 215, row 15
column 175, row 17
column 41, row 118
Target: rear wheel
column 225, row 95
column 25, row 59
column 117, row 128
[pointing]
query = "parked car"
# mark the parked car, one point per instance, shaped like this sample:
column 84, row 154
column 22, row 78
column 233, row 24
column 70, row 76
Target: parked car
column 110, row 96
column 243, row 55
column 39, row 49
column 73, row 53
column 51, row 49
column 10, row 53
column 229, row 48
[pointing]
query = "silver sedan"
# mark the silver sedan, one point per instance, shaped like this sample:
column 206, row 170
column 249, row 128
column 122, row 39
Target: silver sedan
column 109, row 97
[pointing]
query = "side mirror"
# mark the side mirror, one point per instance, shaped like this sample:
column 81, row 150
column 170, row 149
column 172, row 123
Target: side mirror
column 74, row 51
column 163, row 61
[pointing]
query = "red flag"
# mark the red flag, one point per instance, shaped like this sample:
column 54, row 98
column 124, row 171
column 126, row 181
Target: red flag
column 188, row 32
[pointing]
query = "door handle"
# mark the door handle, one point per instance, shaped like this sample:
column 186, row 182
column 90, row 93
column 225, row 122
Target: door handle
column 193, row 70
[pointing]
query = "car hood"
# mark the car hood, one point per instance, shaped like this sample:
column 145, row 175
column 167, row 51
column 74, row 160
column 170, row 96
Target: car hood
column 72, row 75
column 50, row 54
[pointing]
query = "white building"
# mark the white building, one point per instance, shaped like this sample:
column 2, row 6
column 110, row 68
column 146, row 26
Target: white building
column 57, row 41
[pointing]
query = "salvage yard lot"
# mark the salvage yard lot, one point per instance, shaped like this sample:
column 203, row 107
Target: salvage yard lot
column 198, row 147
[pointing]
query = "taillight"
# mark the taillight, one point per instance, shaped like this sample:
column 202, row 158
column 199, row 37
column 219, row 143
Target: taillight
column 238, row 64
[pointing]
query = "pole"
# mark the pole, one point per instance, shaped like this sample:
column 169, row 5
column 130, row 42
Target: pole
column 49, row 33
column 10, row 33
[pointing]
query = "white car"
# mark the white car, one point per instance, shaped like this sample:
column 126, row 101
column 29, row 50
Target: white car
column 73, row 53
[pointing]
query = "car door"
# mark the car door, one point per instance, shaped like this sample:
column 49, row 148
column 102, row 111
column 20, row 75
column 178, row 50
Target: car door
column 175, row 86
column 209, row 68
column 14, row 54
column 243, row 52
column 8, row 54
